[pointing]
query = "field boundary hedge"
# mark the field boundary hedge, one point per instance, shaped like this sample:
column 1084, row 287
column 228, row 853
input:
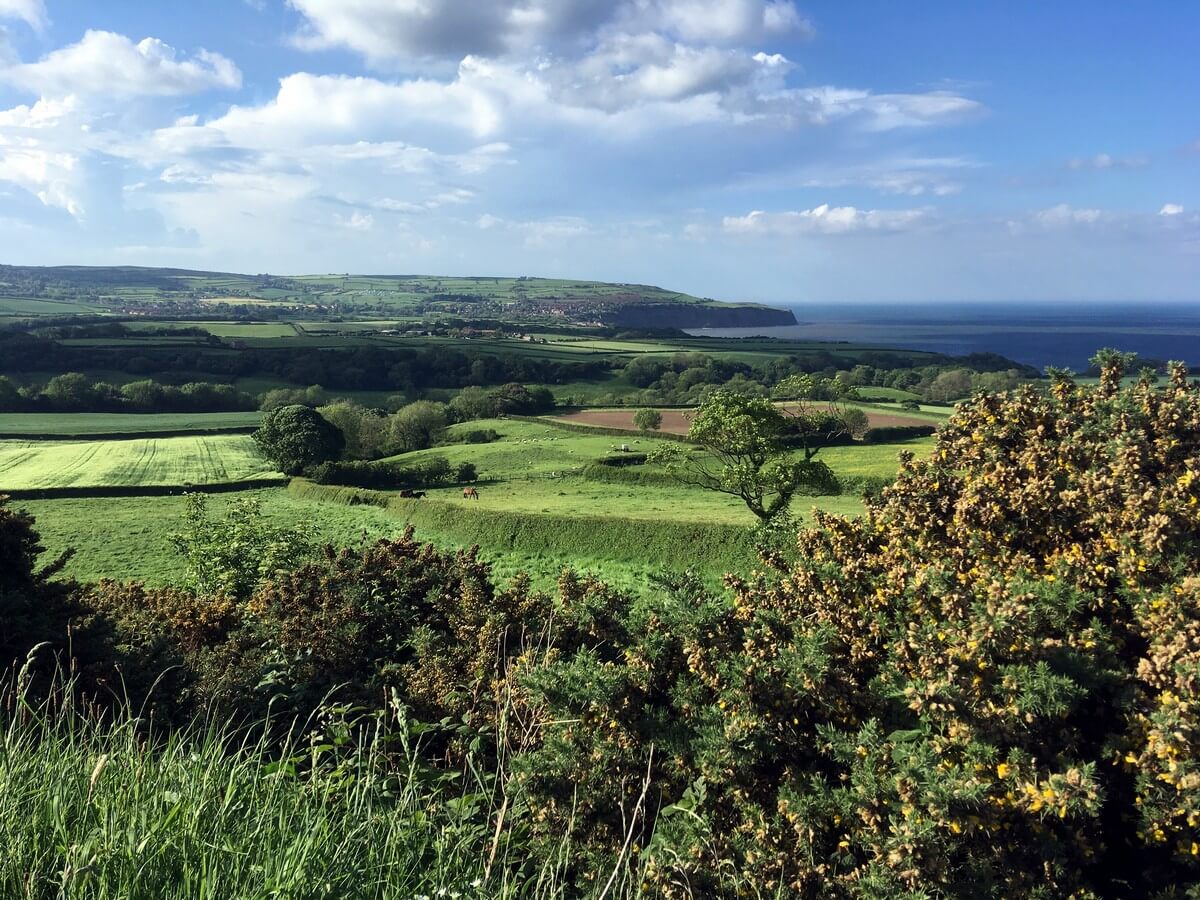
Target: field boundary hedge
column 728, row 548
column 892, row 434
column 127, row 435
column 170, row 490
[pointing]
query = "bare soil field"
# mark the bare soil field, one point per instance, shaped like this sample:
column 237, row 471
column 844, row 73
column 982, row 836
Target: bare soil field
column 676, row 421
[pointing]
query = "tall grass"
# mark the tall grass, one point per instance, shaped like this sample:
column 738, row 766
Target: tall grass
column 96, row 807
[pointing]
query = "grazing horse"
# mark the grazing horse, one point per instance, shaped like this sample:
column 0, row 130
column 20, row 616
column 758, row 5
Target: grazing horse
column 469, row 493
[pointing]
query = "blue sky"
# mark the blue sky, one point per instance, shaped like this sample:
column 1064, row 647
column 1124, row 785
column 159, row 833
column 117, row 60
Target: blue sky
column 742, row 149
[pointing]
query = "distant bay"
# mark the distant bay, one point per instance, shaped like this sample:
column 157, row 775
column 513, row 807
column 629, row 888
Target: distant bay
column 1039, row 334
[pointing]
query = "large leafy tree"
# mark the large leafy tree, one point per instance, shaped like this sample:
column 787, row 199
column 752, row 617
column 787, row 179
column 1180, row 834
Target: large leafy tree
column 748, row 453
column 296, row 437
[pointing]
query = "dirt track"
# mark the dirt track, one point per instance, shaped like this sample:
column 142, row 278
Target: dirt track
column 675, row 421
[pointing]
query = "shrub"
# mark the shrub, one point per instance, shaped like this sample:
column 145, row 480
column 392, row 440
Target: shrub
column 648, row 420
column 380, row 476
column 465, row 473
column 472, row 436
column 890, row 434
column 342, row 628
column 34, row 608
column 622, row 460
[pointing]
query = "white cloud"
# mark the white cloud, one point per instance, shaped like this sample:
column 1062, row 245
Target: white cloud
column 1171, row 209
column 1102, row 161
column 729, row 21
column 396, row 32
column 358, row 221
column 538, row 232
column 1064, row 216
column 825, row 219
column 34, row 156
column 906, row 176
column 32, row 12
column 110, row 65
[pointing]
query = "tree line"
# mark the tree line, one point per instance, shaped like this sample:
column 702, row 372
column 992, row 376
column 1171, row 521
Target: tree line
column 74, row 392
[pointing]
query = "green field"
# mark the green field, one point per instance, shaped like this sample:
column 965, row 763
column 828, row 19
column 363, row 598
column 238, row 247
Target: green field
column 127, row 538
column 123, row 423
column 539, row 469
column 146, row 462
column 539, row 490
column 28, row 306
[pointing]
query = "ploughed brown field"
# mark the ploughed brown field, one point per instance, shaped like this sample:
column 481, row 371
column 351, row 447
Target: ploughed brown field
column 676, row 421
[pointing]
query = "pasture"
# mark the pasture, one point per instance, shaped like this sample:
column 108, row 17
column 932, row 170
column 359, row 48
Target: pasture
column 545, row 469
column 128, row 537
column 143, row 462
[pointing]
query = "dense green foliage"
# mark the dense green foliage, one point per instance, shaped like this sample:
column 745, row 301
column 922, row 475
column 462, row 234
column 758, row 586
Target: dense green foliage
column 73, row 392
column 985, row 687
column 689, row 377
column 647, row 420
column 47, row 426
column 428, row 472
column 296, row 437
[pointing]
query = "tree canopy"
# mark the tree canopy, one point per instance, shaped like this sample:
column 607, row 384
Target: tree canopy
column 296, row 437
column 748, row 454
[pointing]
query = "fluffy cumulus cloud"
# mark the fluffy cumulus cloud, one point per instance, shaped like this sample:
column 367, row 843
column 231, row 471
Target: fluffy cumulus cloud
column 826, row 220
column 32, row 12
column 682, row 60
column 399, row 32
column 41, row 150
column 111, row 65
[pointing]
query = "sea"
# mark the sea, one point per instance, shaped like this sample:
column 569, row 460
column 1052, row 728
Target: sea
column 1038, row 334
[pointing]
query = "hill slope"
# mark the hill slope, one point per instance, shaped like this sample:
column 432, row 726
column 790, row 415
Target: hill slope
column 130, row 289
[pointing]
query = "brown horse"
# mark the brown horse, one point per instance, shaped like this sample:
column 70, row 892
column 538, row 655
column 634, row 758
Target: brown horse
column 469, row 493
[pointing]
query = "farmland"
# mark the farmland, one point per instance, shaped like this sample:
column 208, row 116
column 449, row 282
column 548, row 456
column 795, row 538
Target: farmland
column 140, row 463
column 544, row 502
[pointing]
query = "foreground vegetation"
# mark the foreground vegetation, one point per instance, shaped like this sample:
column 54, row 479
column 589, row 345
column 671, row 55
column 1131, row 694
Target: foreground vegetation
column 985, row 686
